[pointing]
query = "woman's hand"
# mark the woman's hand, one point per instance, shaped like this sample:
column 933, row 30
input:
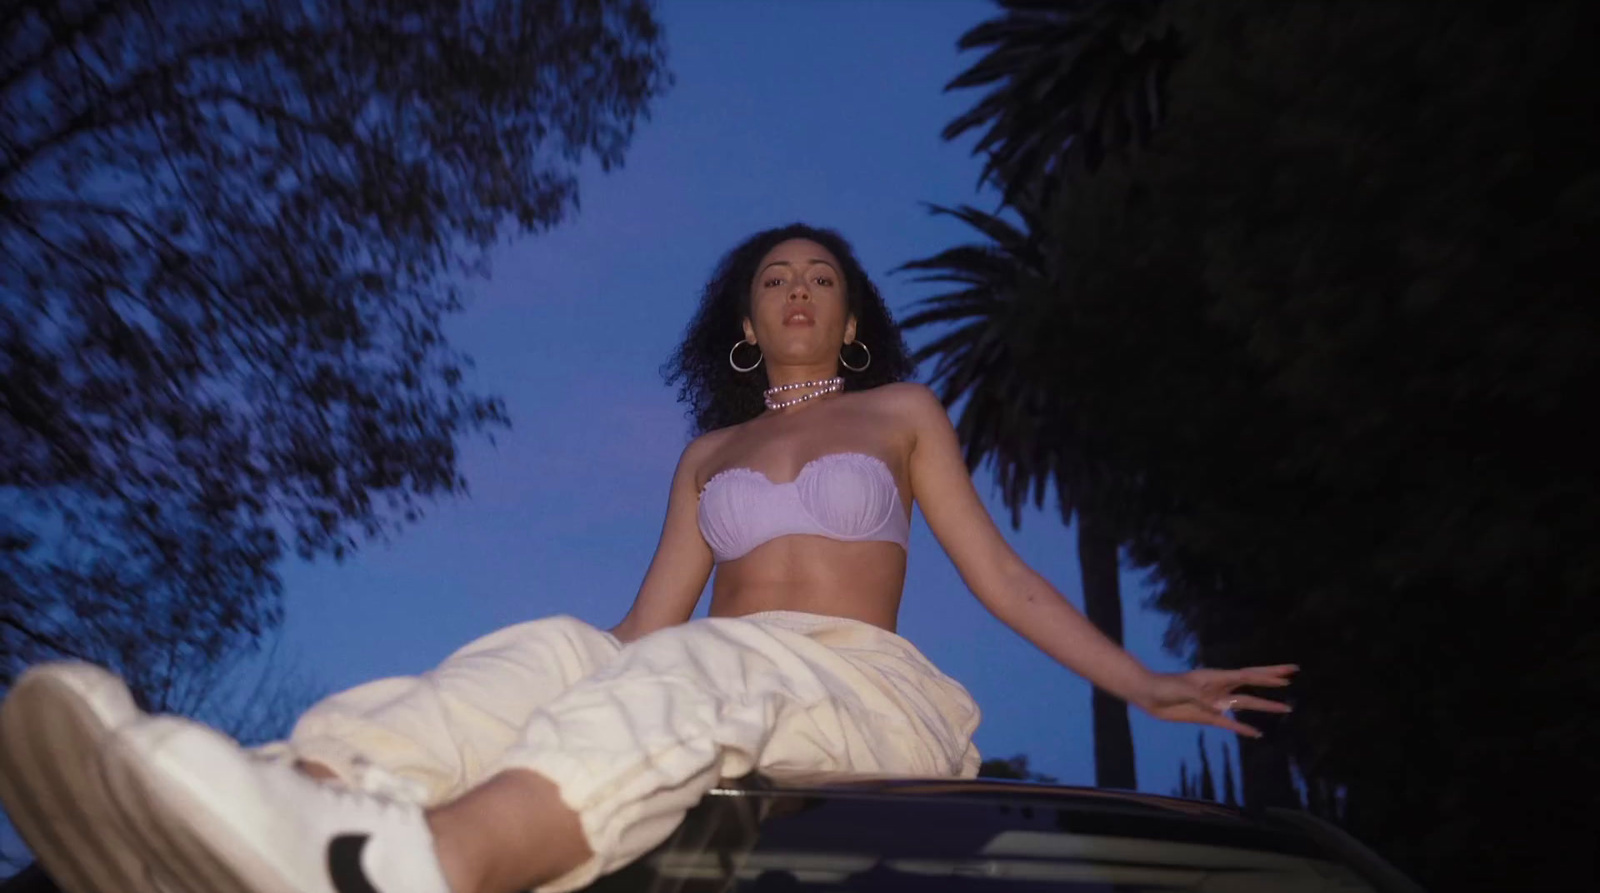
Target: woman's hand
column 1207, row 697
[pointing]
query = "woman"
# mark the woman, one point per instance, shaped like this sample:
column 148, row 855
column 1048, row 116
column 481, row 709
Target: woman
column 551, row 752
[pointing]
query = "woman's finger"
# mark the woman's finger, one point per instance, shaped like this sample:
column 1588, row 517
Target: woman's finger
column 1257, row 678
column 1199, row 713
column 1274, row 675
column 1250, row 702
column 1223, row 721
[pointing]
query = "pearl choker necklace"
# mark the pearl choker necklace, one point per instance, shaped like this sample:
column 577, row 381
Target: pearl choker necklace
column 821, row 385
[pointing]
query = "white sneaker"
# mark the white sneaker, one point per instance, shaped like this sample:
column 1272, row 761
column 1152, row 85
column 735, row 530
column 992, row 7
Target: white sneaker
column 53, row 725
column 364, row 776
column 217, row 819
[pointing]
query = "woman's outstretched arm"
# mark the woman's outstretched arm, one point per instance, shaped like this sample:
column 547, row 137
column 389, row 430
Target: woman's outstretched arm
column 682, row 563
column 1023, row 600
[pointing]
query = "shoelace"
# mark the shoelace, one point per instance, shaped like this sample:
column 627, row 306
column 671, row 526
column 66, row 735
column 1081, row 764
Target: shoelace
column 367, row 800
column 369, row 779
column 380, row 782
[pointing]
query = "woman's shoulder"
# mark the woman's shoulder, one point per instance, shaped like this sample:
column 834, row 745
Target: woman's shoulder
column 705, row 444
column 905, row 411
column 910, row 398
column 700, row 452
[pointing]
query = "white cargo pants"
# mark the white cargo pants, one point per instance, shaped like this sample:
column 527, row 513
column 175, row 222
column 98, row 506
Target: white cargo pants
column 633, row 735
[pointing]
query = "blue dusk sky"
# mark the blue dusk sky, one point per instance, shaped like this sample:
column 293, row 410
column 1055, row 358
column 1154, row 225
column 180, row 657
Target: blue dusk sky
column 822, row 112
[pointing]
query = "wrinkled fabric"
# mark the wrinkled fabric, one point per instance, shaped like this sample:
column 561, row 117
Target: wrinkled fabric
column 634, row 735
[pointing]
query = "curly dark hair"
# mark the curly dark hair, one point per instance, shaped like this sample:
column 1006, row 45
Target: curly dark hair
column 717, row 395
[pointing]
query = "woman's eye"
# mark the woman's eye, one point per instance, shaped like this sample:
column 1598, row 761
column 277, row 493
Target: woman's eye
column 773, row 282
column 824, row 280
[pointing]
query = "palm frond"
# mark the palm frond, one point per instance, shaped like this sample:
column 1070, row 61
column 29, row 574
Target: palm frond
column 1067, row 82
column 985, row 360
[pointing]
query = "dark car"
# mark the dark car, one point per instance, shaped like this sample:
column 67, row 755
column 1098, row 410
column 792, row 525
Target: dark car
column 850, row 834
column 860, row 835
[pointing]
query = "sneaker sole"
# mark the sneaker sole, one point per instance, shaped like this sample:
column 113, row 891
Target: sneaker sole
column 159, row 799
column 53, row 725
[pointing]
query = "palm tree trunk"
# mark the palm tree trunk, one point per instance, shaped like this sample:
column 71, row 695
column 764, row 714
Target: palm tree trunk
column 1102, row 602
column 1265, row 776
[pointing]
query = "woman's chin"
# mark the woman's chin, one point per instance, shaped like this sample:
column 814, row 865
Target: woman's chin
column 801, row 359
column 798, row 346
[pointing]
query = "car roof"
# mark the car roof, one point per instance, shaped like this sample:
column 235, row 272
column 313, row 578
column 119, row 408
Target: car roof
column 1069, row 807
column 891, row 786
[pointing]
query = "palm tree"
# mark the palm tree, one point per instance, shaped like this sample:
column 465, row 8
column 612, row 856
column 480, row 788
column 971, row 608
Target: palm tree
column 1014, row 417
column 1073, row 80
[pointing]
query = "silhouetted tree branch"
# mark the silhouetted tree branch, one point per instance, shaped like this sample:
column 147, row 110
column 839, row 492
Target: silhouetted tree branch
column 230, row 235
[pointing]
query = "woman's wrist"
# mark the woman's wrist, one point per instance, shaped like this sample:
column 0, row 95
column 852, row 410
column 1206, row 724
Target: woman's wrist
column 1142, row 689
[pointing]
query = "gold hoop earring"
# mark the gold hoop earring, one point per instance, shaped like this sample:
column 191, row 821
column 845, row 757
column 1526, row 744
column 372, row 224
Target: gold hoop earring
column 752, row 366
column 864, row 363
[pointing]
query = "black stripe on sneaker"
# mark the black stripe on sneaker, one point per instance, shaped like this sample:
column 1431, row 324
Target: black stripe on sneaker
column 344, row 864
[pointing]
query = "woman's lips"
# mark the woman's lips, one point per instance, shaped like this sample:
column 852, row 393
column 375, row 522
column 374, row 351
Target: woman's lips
column 798, row 318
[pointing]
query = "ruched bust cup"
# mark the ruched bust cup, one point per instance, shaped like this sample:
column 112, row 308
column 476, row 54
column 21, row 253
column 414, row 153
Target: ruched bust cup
column 842, row 496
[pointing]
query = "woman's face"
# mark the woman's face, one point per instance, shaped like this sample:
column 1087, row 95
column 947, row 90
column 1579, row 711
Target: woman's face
column 798, row 308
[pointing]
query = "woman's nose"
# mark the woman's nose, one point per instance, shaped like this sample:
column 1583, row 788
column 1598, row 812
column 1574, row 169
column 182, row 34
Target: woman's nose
column 799, row 292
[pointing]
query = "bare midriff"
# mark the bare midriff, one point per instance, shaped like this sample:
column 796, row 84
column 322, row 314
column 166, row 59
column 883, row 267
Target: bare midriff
column 814, row 575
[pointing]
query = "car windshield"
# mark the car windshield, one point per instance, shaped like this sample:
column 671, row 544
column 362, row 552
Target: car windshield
column 1058, row 862
column 806, row 844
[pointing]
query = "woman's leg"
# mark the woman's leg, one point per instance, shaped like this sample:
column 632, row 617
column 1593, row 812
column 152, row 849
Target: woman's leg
column 598, row 776
column 434, row 732
column 438, row 731
column 617, row 760
column 509, row 833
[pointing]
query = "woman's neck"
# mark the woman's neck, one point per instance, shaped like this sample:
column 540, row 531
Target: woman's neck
column 788, row 375
column 792, row 389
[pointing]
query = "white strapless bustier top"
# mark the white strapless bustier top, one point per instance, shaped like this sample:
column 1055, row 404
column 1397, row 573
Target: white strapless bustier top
column 842, row 496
